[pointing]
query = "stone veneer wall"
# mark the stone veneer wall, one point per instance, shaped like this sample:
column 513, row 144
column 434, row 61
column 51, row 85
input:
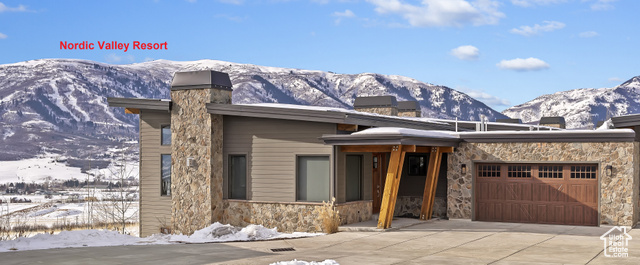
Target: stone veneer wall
column 415, row 113
column 410, row 206
column 618, row 193
column 290, row 217
column 196, row 191
column 390, row 111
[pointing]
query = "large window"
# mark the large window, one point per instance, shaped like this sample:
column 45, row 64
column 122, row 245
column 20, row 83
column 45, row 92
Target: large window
column 166, row 135
column 165, row 185
column 313, row 178
column 238, row 177
column 354, row 177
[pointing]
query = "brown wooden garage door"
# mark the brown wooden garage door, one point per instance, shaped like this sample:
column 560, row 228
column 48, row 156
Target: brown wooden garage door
column 537, row 193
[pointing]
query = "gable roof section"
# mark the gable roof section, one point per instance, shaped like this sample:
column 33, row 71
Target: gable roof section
column 323, row 114
column 140, row 103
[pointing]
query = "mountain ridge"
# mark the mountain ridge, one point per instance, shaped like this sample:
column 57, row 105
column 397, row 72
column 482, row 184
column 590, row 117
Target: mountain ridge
column 59, row 105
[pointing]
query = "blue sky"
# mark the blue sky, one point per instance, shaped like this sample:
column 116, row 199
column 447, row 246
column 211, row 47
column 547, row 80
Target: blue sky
column 503, row 53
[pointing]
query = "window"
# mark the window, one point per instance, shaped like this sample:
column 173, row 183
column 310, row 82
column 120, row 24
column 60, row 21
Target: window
column 313, row 178
column 551, row 172
column 490, row 171
column 375, row 161
column 165, row 185
column 417, row 165
column 354, row 178
column 238, row 177
column 166, row 135
column 519, row 171
column 583, row 172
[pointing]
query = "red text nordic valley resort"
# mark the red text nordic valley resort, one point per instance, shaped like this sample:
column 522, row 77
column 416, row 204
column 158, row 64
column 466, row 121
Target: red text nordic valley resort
column 113, row 45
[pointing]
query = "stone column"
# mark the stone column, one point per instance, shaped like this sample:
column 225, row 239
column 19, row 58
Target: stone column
column 196, row 135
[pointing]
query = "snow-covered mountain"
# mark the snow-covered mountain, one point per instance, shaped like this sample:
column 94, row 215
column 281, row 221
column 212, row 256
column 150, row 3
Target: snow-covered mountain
column 59, row 105
column 582, row 108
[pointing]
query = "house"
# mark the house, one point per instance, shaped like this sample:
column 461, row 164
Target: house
column 204, row 159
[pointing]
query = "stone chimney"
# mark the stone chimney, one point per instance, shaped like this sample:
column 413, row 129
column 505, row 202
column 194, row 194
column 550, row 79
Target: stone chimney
column 196, row 149
column 384, row 105
column 557, row 122
column 409, row 109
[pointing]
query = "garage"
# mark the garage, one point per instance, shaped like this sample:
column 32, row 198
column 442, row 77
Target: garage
column 564, row 194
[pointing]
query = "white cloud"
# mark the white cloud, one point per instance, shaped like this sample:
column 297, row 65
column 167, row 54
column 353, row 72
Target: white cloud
column 2, row 36
column 466, row 52
column 442, row 13
column 615, row 79
column 599, row 5
column 491, row 100
column 114, row 58
column 346, row 14
column 537, row 29
column 529, row 3
column 588, row 34
column 20, row 8
column 522, row 65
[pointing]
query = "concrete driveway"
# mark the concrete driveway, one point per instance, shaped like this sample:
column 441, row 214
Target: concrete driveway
column 433, row 242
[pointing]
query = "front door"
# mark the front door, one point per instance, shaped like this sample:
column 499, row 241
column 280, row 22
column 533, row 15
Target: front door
column 379, row 178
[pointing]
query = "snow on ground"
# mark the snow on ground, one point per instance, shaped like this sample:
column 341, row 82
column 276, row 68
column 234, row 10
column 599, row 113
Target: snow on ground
column 93, row 238
column 301, row 262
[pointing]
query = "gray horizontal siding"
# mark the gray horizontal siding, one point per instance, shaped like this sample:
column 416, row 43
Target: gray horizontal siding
column 271, row 147
column 154, row 209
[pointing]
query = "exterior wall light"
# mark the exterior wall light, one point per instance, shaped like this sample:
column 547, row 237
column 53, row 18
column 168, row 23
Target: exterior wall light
column 609, row 170
column 463, row 169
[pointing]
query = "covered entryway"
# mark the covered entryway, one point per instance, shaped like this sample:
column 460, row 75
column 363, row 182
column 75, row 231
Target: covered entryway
column 564, row 194
column 398, row 142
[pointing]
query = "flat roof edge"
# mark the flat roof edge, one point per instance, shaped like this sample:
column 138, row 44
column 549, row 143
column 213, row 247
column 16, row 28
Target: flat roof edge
column 139, row 103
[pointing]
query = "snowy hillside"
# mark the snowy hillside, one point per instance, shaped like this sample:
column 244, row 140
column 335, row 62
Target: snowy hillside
column 582, row 108
column 59, row 105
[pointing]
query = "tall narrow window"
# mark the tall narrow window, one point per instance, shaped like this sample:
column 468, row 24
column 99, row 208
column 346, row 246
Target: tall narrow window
column 166, row 135
column 313, row 178
column 165, row 185
column 354, row 177
column 238, row 177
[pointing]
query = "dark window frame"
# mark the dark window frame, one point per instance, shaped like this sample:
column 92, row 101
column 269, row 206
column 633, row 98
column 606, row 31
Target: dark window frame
column 297, row 176
column 417, row 170
column 230, row 174
column 165, row 192
column 162, row 138
column 360, row 180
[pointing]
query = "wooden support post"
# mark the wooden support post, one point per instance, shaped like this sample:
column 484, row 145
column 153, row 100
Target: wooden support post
column 431, row 183
column 394, row 172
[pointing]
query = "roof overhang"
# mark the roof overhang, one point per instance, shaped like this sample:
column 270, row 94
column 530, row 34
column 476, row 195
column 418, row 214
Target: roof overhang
column 392, row 138
column 134, row 105
column 201, row 80
column 328, row 116
column 617, row 135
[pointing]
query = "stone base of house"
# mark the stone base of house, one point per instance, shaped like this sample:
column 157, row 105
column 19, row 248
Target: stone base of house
column 410, row 206
column 290, row 217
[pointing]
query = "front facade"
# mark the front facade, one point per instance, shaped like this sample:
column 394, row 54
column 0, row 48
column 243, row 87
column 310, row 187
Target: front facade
column 204, row 160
